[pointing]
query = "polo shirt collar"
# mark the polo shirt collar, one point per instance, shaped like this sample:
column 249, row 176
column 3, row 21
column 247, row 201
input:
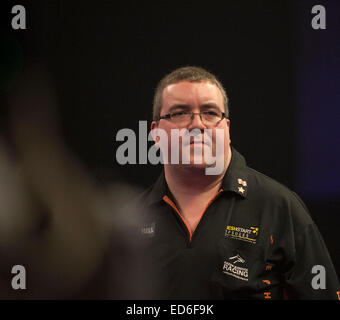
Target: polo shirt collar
column 235, row 180
column 159, row 190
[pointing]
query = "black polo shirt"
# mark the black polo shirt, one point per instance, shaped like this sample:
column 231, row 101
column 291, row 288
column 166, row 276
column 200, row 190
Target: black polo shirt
column 255, row 240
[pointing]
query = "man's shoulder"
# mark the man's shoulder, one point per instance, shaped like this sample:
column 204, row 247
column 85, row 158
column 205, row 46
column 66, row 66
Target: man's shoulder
column 265, row 185
column 274, row 193
column 258, row 184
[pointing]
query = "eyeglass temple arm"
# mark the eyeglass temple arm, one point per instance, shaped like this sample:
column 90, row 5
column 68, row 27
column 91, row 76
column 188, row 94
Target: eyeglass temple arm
column 167, row 116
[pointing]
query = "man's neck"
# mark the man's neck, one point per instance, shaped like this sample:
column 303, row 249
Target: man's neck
column 193, row 190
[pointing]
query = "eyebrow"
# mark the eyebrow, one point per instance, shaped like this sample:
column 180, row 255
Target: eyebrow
column 210, row 106
column 179, row 106
column 187, row 107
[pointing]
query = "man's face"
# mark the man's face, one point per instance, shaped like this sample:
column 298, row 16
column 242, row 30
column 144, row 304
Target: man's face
column 194, row 97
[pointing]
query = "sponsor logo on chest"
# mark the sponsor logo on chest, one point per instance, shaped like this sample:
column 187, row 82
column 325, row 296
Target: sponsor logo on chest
column 234, row 267
column 241, row 233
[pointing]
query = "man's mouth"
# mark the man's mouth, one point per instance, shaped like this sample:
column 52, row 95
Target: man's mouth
column 195, row 142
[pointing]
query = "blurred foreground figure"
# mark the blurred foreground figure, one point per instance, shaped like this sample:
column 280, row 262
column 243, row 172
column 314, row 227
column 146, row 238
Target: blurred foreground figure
column 55, row 220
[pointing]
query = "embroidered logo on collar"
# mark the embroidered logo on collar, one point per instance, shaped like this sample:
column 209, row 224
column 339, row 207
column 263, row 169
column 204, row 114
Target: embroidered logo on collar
column 243, row 234
column 242, row 186
column 240, row 189
column 242, row 182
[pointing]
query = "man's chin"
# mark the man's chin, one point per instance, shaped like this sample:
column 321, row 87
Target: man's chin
column 212, row 167
column 196, row 166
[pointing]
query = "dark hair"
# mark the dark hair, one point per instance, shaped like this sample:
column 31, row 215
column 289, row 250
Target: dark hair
column 191, row 74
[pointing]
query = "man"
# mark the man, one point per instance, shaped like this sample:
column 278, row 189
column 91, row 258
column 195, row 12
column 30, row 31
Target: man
column 237, row 234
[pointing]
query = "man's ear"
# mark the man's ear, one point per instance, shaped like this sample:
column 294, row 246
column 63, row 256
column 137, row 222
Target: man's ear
column 153, row 127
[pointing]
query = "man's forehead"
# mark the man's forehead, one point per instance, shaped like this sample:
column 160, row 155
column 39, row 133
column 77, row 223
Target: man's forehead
column 185, row 91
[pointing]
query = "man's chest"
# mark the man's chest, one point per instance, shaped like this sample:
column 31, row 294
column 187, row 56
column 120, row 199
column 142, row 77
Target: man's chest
column 228, row 254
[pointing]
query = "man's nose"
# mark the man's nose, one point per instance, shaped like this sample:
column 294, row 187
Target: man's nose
column 196, row 122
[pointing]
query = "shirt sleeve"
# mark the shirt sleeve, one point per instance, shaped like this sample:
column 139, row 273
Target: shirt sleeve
column 311, row 275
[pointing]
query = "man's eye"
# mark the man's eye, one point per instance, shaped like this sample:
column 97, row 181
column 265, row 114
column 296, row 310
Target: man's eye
column 178, row 114
column 211, row 113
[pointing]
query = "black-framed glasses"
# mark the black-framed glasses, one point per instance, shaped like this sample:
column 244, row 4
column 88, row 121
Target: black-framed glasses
column 211, row 117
